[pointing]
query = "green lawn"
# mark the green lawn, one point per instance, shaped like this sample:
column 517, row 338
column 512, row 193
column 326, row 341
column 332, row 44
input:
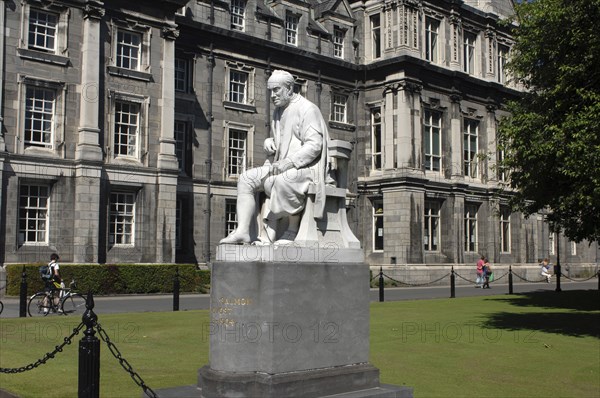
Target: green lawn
column 537, row 345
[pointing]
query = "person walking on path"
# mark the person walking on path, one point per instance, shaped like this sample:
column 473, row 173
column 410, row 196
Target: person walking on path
column 480, row 276
column 487, row 273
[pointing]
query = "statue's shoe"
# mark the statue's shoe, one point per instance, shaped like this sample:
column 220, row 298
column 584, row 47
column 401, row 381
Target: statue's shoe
column 287, row 238
column 235, row 238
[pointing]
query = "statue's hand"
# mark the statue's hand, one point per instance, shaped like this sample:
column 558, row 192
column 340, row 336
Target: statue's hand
column 269, row 146
column 282, row 166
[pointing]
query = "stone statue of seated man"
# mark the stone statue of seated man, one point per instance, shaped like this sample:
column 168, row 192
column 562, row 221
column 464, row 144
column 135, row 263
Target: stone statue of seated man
column 297, row 158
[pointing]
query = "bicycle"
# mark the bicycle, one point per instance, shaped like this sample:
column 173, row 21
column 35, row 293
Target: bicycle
column 67, row 302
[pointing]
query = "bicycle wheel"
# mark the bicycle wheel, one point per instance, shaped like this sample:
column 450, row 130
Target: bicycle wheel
column 73, row 303
column 39, row 305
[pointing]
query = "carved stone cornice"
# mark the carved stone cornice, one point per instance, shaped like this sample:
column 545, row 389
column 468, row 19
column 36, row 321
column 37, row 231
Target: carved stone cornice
column 169, row 32
column 94, row 10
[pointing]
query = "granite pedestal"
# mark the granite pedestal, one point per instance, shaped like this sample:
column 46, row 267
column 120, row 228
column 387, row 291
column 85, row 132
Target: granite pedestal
column 283, row 327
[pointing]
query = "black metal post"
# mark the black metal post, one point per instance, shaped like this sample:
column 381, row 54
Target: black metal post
column 452, row 284
column 176, row 290
column 89, row 354
column 510, row 280
column 23, row 295
column 381, row 284
column 598, row 280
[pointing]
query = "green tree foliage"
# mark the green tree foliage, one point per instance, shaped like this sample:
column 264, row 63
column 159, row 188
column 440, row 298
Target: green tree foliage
column 551, row 142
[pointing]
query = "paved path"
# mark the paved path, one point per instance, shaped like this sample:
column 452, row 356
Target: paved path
column 164, row 302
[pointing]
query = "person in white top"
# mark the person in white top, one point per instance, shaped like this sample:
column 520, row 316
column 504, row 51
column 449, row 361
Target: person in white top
column 545, row 269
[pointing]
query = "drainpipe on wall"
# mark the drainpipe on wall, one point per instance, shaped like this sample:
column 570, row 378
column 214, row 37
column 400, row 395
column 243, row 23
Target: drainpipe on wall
column 207, row 215
column 354, row 185
column 2, row 28
column 268, row 97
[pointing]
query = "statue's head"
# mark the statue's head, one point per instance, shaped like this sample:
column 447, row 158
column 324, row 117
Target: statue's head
column 281, row 84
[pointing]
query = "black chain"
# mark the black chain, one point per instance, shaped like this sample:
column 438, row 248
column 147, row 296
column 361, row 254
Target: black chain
column 416, row 284
column 578, row 280
column 463, row 278
column 124, row 363
column 527, row 280
column 49, row 355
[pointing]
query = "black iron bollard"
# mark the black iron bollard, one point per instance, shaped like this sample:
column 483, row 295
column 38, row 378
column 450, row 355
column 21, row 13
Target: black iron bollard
column 89, row 354
column 452, row 284
column 598, row 280
column 176, row 290
column 510, row 281
column 23, row 295
column 557, row 271
column 381, row 284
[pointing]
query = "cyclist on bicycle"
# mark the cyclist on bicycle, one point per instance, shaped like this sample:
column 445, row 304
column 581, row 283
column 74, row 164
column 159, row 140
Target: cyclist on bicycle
column 54, row 284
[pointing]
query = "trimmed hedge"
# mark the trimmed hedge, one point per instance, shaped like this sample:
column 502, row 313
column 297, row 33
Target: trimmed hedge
column 114, row 278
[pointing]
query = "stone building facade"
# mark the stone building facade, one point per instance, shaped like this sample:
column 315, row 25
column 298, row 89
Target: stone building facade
column 124, row 125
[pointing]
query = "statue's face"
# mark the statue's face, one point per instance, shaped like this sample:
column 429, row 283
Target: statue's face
column 280, row 94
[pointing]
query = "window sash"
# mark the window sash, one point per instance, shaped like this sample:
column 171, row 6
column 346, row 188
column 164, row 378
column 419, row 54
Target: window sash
column 338, row 43
column 376, row 140
column 431, row 237
column 432, row 27
column 180, row 133
column 121, row 219
column 378, row 225
column 40, row 106
column 291, row 29
column 432, row 140
column 469, row 53
column 471, row 148
column 502, row 60
column 340, row 108
column 34, row 203
column 181, row 74
column 129, row 50
column 230, row 216
column 42, row 30
column 238, row 10
column 505, row 230
column 238, row 85
column 126, row 134
column 375, row 21
column 236, row 157
column 471, row 228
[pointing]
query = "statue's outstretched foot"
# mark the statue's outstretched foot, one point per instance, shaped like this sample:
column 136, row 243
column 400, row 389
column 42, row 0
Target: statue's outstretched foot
column 287, row 238
column 235, row 238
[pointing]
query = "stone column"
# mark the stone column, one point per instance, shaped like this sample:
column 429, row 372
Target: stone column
column 456, row 137
column 388, row 128
column 404, row 135
column 88, row 147
column 167, row 161
column 88, row 152
column 491, row 143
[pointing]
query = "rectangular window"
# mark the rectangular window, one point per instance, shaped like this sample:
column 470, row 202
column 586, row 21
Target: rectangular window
column 431, row 237
column 502, row 174
column 375, row 36
column 339, row 108
column 432, row 28
column 469, row 52
column 238, row 9
column 33, row 213
column 291, row 29
column 378, row 225
column 432, row 140
column 238, row 85
column 338, row 42
column 573, row 248
column 552, row 243
column 180, row 132
column 40, row 106
column 236, row 157
column 470, row 147
column 376, row 140
column 230, row 216
column 470, row 228
column 129, row 50
column 505, row 230
column 182, row 74
column 42, row 30
column 121, row 219
column 502, row 60
column 127, row 119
